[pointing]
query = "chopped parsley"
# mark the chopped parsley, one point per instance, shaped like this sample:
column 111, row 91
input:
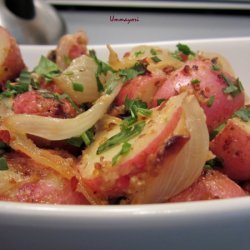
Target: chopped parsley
column 156, row 59
column 128, row 74
column 213, row 163
column 183, row 52
column 47, row 69
column 161, row 100
column 216, row 67
column 21, row 85
column 87, row 137
column 102, row 68
column 184, row 49
column 3, row 164
column 138, row 53
column 243, row 114
column 75, row 141
column 77, row 86
column 195, row 82
column 232, row 88
column 135, row 107
column 153, row 52
column 126, row 148
column 123, row 136
column 210, row 101
column 217, row 130
column 111, row 83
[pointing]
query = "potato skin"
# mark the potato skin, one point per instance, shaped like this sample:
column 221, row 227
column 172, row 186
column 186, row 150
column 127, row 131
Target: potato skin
column 69, row 47
column 28, row 181
column 11, row 61
column 211, row 185
column 142, row 87
column 232, row 145
column 209, row 84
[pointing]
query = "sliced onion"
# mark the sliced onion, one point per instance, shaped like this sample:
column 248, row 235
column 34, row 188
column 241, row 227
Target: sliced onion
column 221, row 60
column 179, row 170
column 141, row 52
column 10, row 180
column 81, row 71
column 63, row 166
column 59, row 129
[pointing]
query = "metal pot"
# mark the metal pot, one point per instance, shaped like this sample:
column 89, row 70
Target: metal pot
column 31, row 21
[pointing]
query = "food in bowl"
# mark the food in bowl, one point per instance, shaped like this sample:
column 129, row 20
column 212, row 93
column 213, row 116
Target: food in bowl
column 154, row 126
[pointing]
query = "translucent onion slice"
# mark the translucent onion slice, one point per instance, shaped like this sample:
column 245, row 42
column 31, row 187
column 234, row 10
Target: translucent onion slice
column 60, row 129
column 179, row 170
column 141, row 52
column 79, row 80
column 61, row 165
column 221, row 61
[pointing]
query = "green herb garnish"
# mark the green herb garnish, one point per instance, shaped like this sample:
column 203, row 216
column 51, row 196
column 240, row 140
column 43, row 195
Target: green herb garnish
column 153, row 52
column 102, row 68
column 138, row 53
column 47, row 69
column 75, row 141
column 3, row 164
column 135, row 107
column 77, row 86
column 216, row 67
column 156, row 59
column 232, row 88
column 161, row 100
column 184, row 49
column 183, row 52
column 88, row 136
column 213, row 163
column 124, row 135
column 210, row 101
column 126, row 148
column 195, row 82
column 217, row 130
column 111, row 83
column 243, row 114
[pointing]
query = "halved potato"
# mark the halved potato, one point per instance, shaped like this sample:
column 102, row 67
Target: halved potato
column 232, row 145
column 211, row 185
column 211, row 87
column 168, row 146
column 11, row 61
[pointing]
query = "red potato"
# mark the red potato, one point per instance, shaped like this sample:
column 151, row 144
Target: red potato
column 27, row 181
column 70, row 47
column 157, row 147
column 211, row 185
column 232, row 145
column 33, row 102
column 208, row 85
column 141, row 87
column 11, row 61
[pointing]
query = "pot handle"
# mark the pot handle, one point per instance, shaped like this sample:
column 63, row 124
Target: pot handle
column 22, row 8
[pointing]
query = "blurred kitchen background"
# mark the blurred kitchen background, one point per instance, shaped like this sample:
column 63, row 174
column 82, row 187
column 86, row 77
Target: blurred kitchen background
column 145, row 21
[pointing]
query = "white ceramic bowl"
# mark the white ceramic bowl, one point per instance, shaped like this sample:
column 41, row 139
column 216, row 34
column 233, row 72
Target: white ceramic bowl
column 218, row 224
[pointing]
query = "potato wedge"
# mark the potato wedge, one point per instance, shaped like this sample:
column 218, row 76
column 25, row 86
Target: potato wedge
column 164, row 135
column 211, row 185
column 211, row 87
column 232, row 145
column 11, row 61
